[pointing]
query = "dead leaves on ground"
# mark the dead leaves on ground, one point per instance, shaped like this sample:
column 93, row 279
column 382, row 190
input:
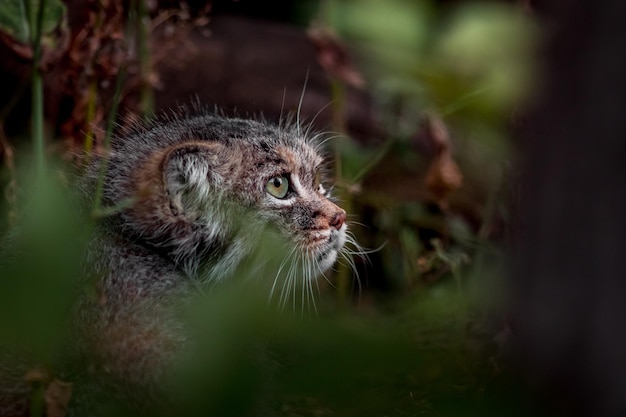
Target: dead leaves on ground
column 56, row 393
column 333, row 55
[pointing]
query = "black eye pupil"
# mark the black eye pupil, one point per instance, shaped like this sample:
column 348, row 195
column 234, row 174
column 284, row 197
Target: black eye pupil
column 277, row 182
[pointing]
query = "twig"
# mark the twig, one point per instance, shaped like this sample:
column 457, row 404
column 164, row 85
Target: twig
column 36, row 22
column 107, row 140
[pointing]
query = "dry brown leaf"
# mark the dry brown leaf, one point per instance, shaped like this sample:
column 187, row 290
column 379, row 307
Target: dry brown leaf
column 22, row 50
column 57, row 397
column 38, row 374
column 85, row 74
column 444, row 175
column 57, row 393
column 333, row 55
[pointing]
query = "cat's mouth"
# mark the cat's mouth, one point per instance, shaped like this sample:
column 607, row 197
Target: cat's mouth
column 320, row 238
column 324, row 246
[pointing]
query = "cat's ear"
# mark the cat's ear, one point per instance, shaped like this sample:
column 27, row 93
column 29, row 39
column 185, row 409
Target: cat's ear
column 191, row 176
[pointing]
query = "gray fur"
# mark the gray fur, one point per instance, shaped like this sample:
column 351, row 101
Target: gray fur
column 189, row 206
column 199, row 204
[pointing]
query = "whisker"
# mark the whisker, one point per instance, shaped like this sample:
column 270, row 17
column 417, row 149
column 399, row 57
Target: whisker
column 310, row 280
column 317, row 282
column 282, row 108
column 321, row 143
column 303, row 290
column 358, row 249
column 325, row 277
column 306, row 79
column 304, row 283
column 352, row 265
column 284, row 293
column 310, row 124
column 280, row 269
column 294, row 287
column 351, row 249
column 354, row 222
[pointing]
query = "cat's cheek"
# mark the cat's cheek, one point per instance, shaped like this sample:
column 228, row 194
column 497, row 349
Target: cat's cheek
column 341, row 238
column 329, row 260
column 331, row 253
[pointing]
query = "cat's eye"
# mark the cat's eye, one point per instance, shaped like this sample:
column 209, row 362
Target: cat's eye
column 278, row 186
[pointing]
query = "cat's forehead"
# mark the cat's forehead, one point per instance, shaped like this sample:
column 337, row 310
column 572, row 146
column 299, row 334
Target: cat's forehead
column 299, row 158
column 289, row 148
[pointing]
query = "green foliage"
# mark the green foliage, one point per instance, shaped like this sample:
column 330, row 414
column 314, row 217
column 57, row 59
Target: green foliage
column 474, row 57
column 39, row 271
column 17, row 21
column 469, row 63
column 498, row 72
column 419, row 359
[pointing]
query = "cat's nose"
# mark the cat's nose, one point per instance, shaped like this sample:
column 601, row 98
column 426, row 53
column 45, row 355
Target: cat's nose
column 338, row 219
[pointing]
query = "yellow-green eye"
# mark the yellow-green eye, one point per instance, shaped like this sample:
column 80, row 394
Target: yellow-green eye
column 278, row 186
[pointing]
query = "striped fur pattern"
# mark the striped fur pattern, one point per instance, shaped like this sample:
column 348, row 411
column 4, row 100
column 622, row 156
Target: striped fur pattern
column 192, row 180
column 201, row 193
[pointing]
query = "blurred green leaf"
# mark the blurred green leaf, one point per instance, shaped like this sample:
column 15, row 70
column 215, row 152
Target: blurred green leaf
column 354, row 158
column 487, row 47
column 225, row 372
column 14, row 18
column 40, row 269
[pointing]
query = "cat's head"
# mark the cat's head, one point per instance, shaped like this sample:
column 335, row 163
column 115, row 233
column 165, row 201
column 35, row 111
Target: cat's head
column 214, row 181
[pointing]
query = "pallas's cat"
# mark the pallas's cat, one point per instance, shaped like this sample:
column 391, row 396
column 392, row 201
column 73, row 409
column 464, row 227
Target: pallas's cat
column 191, row 198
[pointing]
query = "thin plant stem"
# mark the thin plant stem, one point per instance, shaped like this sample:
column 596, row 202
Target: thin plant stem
column 36, row 22
column 91, row 110
column 107, row 140
column 38, row 138
column 37, row 400
column 374, row 161
column 142, row 29
column 338, row 117
column 121, row 77
column 92, row 100
column 10, row 191
column 338, row 99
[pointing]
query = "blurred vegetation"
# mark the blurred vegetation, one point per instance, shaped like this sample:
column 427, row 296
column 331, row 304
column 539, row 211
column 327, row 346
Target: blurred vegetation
column 426, row 334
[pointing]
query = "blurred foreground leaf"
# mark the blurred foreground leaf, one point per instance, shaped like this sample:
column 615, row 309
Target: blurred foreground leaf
column 40, row 268
column 487, row 48
column 250, row 359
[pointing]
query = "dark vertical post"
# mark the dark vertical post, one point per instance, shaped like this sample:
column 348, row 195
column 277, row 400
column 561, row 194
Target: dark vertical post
column 569, row 283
